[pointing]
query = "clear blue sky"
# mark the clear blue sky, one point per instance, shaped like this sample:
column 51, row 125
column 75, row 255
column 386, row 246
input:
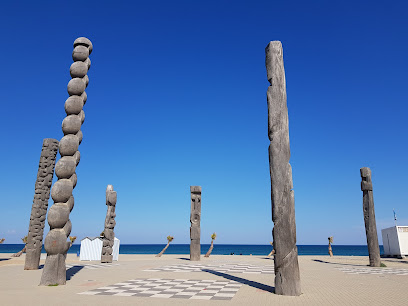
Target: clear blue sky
column 177, row 97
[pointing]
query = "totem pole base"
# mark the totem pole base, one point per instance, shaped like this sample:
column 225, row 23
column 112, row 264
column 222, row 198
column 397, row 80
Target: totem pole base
column 195, row 250
column 106, row 258
column 54, row 272
column 32, row 261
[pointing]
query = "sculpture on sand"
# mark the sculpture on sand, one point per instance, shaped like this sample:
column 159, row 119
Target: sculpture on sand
column 369, row 217
column 273, row 250
column 18, row 254
column 195, row 218
column 40, row 203
column 169, row 239
column 55, row 243
column 330, row 247
column 213, row 236
column 108, row 233
column 287, row 277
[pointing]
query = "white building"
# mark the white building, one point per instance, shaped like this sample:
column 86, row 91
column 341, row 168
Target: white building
column 395, row 241
column 91, row 248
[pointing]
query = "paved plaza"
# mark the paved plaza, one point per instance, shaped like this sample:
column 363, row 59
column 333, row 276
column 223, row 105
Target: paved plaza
column 217, row 280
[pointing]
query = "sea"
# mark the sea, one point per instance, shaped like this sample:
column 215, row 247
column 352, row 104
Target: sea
column 219, row 249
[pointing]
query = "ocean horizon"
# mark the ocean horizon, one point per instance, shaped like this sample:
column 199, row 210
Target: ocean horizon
column 219, row 249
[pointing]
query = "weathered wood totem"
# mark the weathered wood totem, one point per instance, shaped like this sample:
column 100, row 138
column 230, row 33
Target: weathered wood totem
column 108, row 234
column 287, row 277
column 40, row 203
column 369, row 217
column 195, row 219
column 55, row 243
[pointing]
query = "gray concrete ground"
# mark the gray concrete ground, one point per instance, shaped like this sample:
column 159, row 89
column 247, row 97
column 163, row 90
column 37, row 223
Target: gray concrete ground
column 340, row 280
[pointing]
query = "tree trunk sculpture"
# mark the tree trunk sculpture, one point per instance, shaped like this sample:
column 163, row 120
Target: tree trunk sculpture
column 108, row 234
column 273, row 250
column 330, row 247
column 369, row 217
column 287, row 277
column 55, row 243
column 40, row 203
column 18, row 254
column 169, row 239
column 195, row 219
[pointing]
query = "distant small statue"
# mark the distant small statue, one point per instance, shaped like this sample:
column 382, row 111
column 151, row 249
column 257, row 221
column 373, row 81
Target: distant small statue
column 2, row 240
column 18, row 254
column 213, row 236
column 330, row 247
column 109, row 234
column 169, row 239
column 273, row 250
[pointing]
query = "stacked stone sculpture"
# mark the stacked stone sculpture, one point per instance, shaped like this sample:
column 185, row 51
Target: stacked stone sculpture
column 369, row 217
column 195, row 218
column 55, row 242
column 40, row 203
column 287, row 277
column 108, row 234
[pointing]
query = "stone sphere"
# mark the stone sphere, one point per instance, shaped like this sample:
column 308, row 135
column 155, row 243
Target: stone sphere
column 77, row 157
column 71, row 124
column 80, row 53
column 83, row 41
column 68, row 145
column 80, row 136
column 88, row 62
column 73, row 179
column 58, row 215
column 78, row 69
column 82, row 116
column 56, row 242
column 84, row 97
column 76, row 87
column 71, row 203
column 65, row 167
column 61, row 191
column 74, row 105
column 67, row 228
column 85, row 79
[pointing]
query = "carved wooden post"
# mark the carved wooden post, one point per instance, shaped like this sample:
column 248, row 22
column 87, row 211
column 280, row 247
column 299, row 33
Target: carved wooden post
column 195, row 218
column 40, row 203
column 55, row 243
column 108, row 234
column 369, row 217
column 287, row 277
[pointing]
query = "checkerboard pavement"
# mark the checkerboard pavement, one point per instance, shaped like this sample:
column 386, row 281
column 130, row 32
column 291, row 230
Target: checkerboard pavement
column 370, row 270
column 224, row 268
column 93, row 266
column 193, row 289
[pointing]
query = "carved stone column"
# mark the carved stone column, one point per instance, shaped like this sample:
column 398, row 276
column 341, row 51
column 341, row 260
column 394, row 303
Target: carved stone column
column 287, row 277
column 55, row 243
column 108, row 234
column 40, row 203
column 369, row 217
column 195, row 219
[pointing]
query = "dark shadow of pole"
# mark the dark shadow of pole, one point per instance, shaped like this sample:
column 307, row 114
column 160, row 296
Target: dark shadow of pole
column 73, row 270
column 242, row 280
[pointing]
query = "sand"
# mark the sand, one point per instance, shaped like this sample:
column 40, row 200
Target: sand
column 325, row 281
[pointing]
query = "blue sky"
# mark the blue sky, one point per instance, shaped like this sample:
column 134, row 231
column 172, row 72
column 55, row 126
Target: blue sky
column 177, row 97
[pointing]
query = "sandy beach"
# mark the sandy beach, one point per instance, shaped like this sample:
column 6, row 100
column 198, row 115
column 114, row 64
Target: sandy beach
column 241, row 280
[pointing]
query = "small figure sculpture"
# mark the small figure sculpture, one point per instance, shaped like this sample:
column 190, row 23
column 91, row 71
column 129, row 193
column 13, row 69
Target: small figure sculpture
column 330, row 247
column 213, row 236
column 108, row 233
column 169, row 239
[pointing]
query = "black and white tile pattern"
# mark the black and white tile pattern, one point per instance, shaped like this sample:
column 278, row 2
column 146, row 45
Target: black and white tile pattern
column 93, row 266
column 370, row 270
column 193, row 289
column 223, row 268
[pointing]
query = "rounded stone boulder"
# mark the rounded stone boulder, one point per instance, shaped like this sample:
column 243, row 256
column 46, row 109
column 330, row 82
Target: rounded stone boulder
column 76, row 87
column 65, row 167
column 77, row 157
column 74, row 179
column 62, row 190
column 74, row 104
column 83, row 41
column 84, row 97
column 71, row 124
column 80, row 136
column 78, row 69
column 82, row 116
column 85, row 79
column 68, row 145
column 56, row 242
column 67, row 228
column 58, row 215
column 80, row 53
column 71, row 203
column 88, row 62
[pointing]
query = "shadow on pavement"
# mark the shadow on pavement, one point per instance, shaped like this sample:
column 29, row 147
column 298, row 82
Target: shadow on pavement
column 73, row 270
column 337, row 263
column 242, row 280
